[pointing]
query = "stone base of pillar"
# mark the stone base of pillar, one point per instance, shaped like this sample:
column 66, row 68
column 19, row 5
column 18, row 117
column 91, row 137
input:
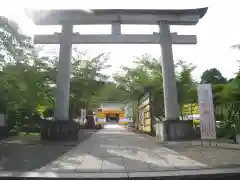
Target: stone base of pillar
column 59, row 130
column 174, row 130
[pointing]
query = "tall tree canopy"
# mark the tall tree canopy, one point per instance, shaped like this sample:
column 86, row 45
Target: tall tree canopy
column 213, row 76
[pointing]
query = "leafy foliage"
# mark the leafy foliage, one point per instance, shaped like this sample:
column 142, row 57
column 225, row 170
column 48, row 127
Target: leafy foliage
column 213, row 76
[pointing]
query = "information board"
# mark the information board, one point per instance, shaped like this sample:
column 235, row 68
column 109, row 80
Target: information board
column 207, row 119
column 144, row 113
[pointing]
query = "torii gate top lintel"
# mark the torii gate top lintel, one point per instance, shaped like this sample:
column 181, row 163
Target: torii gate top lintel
column 124, row 16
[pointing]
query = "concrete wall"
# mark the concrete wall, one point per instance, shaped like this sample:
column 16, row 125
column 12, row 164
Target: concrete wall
column 172, row 130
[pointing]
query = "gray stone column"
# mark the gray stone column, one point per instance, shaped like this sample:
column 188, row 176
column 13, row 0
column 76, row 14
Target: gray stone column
column 116, row 28
column 169, row 79
column 63, row 74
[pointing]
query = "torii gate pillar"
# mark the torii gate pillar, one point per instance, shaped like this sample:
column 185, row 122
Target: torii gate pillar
column 172, row 127
column 169, row 80
column 63, row 75
column 62, row 128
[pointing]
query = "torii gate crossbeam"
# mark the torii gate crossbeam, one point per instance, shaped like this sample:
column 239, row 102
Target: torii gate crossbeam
column 115, row 39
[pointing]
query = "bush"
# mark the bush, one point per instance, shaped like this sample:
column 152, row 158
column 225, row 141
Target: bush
column 196, row 122
column 48, row 112
column 31, row 129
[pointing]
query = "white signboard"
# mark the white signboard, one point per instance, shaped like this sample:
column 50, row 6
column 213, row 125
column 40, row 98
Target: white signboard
column 207, row 119
column 83, row 115
column 130, row 120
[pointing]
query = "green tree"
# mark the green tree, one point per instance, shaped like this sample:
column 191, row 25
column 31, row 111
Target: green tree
column 213, row 76
column 146, row 73
column 87, row 80
column 185, row 84
column 13, row 45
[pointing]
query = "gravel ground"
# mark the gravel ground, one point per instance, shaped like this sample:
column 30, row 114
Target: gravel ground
column 210, row 155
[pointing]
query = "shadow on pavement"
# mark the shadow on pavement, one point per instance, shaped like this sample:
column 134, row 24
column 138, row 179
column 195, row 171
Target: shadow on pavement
column 112, row 151
column 29, row 155
column 211, row 156
column 160, row 158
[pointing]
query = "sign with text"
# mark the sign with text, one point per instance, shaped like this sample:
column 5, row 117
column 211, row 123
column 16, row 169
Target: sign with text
column 101, row 118
column 207, row 119
column 144, row 113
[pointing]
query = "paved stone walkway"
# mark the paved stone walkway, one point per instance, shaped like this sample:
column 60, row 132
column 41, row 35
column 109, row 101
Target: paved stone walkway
column 117, row 149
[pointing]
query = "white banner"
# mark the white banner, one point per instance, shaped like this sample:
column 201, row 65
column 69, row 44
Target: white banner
column 207, row 119
column 83, row 115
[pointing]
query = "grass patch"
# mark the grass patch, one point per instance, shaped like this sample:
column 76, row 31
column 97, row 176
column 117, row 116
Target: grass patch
column 28, row 134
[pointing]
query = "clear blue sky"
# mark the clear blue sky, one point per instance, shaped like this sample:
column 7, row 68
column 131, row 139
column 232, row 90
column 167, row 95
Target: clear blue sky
column 216, row 32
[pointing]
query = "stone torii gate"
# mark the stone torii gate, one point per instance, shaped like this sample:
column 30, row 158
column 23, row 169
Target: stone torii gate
column 62, row 128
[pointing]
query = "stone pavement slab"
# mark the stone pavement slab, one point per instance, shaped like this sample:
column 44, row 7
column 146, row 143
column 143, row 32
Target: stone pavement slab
column 113, row 164
column 116, row 149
